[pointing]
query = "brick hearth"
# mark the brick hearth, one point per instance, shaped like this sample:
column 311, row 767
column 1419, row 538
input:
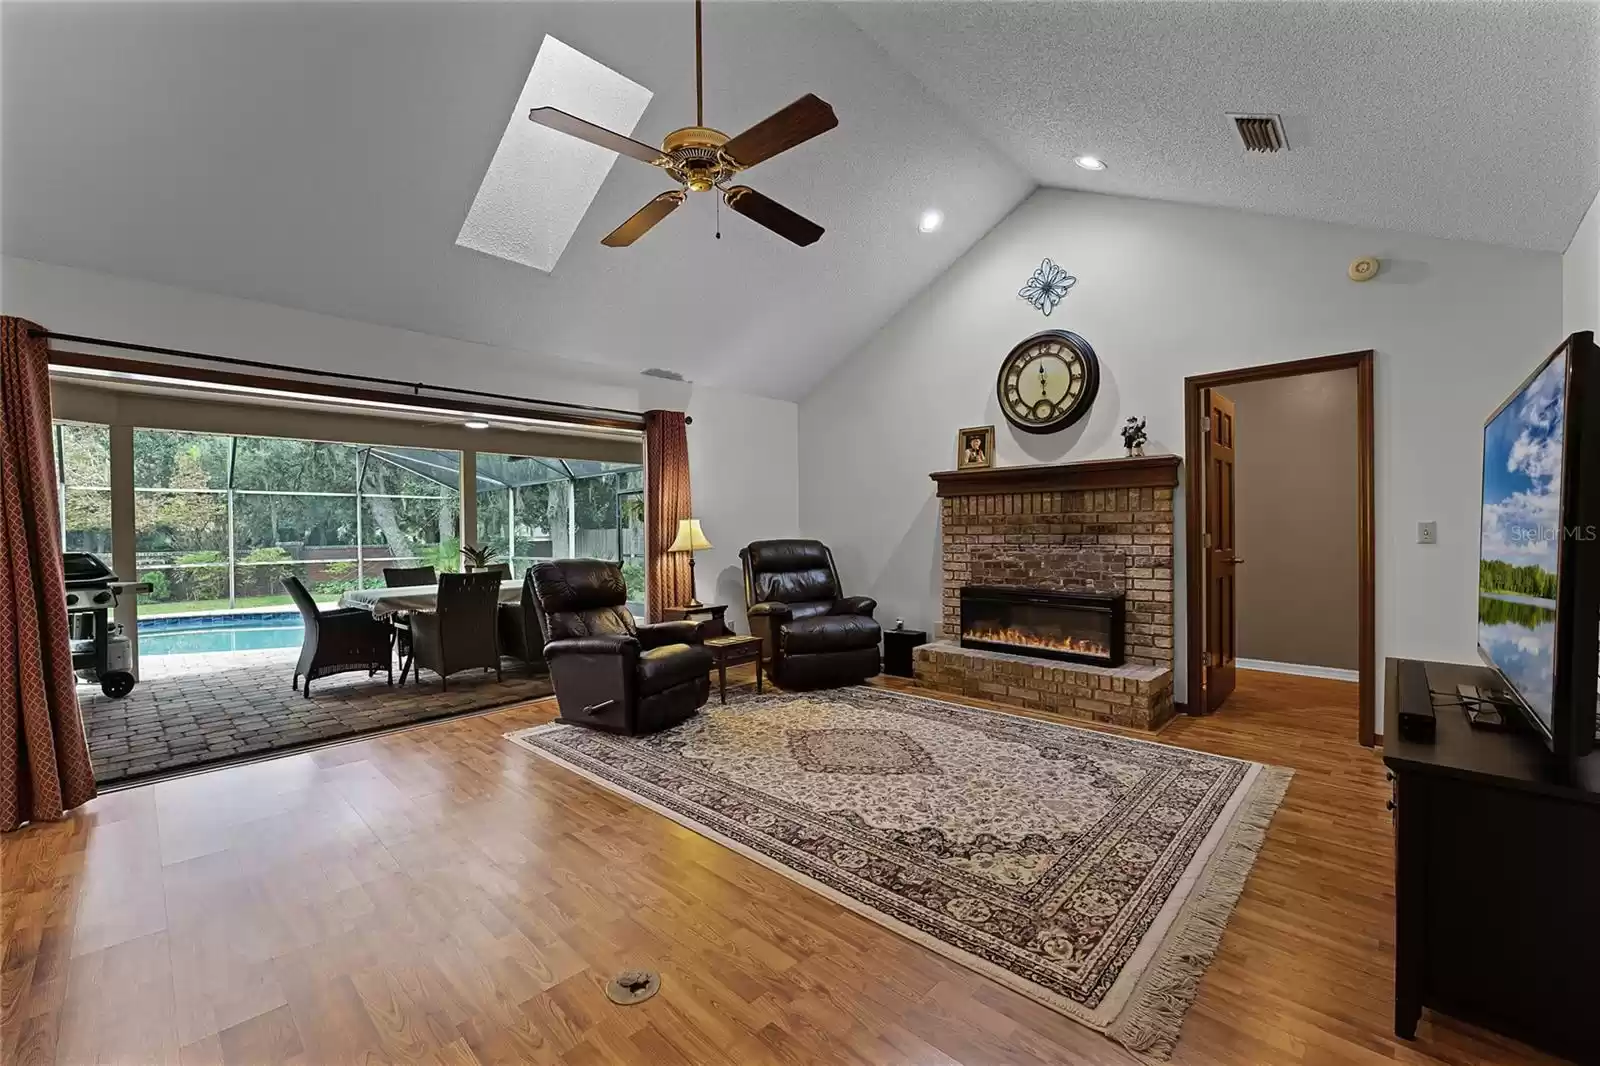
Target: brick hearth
column 1131, row 695
column 1104, row 525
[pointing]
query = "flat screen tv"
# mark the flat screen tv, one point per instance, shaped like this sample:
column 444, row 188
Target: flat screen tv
column 1539, row 546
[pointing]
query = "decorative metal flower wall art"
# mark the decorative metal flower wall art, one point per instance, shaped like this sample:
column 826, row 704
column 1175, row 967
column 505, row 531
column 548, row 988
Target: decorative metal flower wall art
column 1047, row 287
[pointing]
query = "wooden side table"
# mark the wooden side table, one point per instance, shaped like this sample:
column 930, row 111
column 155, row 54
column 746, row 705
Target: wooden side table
column 711, row 617
column 731, row 651
column 897, row 646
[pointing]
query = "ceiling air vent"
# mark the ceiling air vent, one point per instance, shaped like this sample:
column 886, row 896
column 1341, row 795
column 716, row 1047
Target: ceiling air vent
column 1261, row 133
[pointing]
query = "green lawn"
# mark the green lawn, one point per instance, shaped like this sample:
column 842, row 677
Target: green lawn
column 147, row 608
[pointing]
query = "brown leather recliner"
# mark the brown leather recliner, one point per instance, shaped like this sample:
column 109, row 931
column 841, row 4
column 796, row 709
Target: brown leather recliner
column 812, row 634
column 610, row 673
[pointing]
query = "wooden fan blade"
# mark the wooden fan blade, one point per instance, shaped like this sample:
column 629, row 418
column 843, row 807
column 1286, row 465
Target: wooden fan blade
column 644, row 218
column 574, row 126
column 773, row 215
column 795, row 124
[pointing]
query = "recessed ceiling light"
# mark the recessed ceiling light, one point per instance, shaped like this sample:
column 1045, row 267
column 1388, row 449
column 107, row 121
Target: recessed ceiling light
column 931, row 220
column 1090, row 162
column 476, row 425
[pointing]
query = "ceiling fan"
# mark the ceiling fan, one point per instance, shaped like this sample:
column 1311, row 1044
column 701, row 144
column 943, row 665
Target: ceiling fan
column 701, row 159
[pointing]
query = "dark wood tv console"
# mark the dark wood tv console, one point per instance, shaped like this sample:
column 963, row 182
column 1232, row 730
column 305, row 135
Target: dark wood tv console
column 1497, row 880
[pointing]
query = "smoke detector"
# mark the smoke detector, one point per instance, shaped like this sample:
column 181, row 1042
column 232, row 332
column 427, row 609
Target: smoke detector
column 1260, row 133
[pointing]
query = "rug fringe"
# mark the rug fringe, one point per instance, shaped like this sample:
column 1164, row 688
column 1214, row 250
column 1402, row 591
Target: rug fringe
column 1150, row 1024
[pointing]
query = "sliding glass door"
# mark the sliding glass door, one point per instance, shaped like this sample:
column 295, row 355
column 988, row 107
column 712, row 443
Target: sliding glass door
column 537, row 507
column 219, row 521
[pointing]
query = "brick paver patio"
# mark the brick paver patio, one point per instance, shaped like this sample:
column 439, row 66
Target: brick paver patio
column 191, row 710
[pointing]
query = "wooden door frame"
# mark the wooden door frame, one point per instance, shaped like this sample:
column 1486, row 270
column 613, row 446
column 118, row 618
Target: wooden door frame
column 1219, row 535
column 1194, row 389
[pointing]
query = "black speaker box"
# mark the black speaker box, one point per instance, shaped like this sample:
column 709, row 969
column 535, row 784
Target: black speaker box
column 1417, row 723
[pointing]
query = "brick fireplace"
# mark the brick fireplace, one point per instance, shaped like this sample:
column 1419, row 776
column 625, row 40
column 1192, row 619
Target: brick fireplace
column 1104, row 527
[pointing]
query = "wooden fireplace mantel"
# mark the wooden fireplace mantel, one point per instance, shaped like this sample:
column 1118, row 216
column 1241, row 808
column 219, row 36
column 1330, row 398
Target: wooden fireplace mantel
column 1150, row 471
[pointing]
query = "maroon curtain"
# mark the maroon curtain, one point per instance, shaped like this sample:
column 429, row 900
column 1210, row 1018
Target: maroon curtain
column 666, row 492
column 44, row 761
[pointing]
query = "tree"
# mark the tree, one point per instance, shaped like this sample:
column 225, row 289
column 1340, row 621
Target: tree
column 295, row 466
column 264, row 577
column 415, row 515
column 555, row 520
column 186, row 521
column 86, row 454
column 157, row 453
column 85, row 466
column 595, row 500
column 375, row 492
column 1495, row 575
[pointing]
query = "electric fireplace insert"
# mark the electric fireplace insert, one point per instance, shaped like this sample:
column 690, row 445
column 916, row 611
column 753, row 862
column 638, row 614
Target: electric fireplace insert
column 1079, row 627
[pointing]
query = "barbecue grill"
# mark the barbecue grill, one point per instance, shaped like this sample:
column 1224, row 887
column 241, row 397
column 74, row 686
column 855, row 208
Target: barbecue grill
column 100, row 651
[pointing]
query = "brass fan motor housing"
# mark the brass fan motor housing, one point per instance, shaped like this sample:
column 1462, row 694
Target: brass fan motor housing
column 696, row 159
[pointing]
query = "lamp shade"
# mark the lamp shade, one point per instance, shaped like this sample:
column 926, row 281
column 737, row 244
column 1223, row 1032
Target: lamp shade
column 691, row 538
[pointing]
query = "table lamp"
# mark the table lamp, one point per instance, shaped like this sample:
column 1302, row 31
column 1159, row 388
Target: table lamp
column 691, row 538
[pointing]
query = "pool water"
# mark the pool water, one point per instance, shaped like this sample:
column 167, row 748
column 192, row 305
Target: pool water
column 225, row 631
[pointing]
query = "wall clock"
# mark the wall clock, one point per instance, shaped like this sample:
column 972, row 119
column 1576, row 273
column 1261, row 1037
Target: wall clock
column 1048, row 381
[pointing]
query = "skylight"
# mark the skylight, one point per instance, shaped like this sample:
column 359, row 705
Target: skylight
column 541, row 182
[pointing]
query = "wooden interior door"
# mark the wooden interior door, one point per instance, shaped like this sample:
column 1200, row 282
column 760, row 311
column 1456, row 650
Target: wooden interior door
column 1222, row 621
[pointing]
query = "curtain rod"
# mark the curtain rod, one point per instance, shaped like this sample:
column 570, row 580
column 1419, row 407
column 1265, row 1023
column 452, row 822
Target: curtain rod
column 415, row 387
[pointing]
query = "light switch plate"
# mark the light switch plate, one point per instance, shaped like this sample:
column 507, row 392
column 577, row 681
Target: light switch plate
column 1427, row 532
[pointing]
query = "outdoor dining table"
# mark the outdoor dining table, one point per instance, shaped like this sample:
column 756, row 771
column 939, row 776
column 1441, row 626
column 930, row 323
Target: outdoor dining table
column 386, row 603
column 412, row 599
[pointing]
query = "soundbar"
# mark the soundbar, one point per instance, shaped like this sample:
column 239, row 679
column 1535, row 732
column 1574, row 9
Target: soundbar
column 1417, row 723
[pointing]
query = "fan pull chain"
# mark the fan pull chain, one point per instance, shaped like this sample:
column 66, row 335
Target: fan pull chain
column 719, row 218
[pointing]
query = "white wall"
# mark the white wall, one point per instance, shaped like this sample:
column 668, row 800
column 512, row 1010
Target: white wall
column 1165, row 290
column 89, row 303
column 1580, row 275
column 742, row 449
column 743, row 456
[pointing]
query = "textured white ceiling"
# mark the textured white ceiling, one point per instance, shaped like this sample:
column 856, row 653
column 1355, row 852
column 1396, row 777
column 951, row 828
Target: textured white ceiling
column 323, row 156
column 1462, row 120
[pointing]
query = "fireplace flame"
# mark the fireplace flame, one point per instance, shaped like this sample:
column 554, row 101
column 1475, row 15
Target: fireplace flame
column 1027, row 639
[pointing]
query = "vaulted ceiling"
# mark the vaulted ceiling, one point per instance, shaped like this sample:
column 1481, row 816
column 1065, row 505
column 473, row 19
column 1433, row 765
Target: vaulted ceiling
column 1476, row 121
column 323, row 156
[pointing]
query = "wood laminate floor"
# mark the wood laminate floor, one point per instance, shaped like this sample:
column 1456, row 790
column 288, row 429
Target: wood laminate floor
column 440, row 896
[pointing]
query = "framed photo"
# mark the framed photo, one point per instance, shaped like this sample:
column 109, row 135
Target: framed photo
column 975, row 448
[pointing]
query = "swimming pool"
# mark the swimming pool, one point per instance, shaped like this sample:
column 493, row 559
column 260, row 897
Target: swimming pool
column 224, row 631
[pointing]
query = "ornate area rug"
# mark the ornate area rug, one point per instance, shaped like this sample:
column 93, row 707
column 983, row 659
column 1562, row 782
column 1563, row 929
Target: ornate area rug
column 1091, row 872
